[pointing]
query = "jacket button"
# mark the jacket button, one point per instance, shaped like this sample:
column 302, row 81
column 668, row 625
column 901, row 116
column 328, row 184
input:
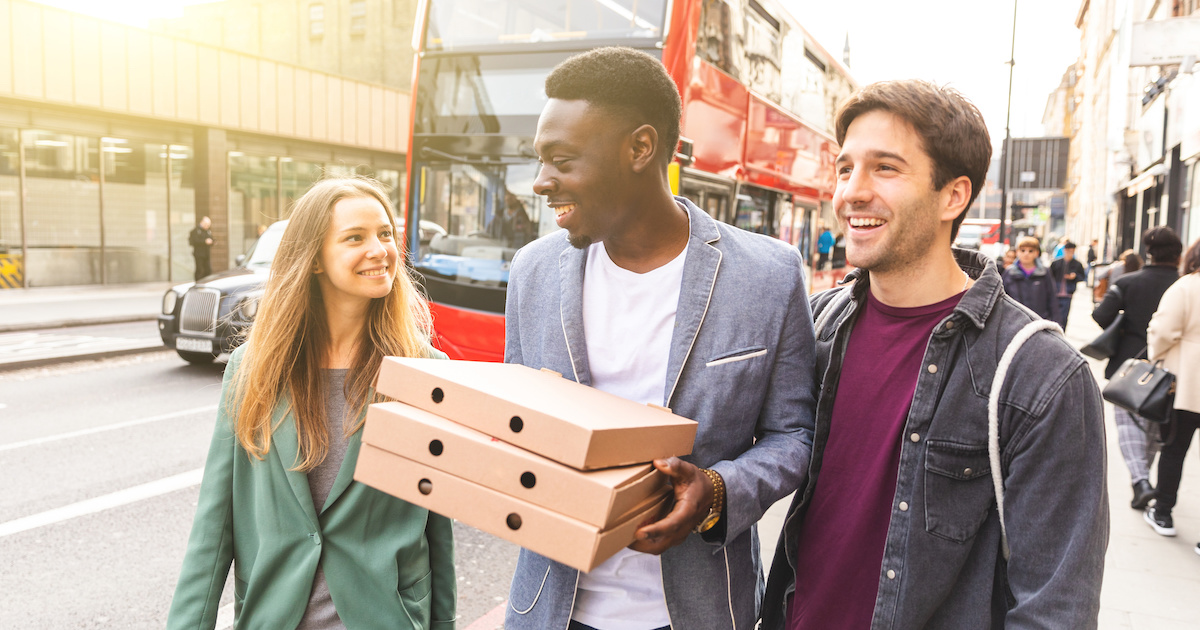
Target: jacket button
column 316, row 538
column 932, row 369
column 915, row 437
column 891, row 574
column 903, row 506
column 967, row 471
column 949, row 325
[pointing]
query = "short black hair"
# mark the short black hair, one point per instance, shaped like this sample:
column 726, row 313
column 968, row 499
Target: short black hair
column 1163, row 245
column 629, row 83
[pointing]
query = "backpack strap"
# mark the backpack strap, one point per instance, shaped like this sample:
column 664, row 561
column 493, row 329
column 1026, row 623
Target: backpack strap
column 1006, row 360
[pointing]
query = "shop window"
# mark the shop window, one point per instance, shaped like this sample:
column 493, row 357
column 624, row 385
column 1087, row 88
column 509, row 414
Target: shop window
column 316, row 20
column 62, row 206
column 11, row 263
column 253, row 199
column 358, row 17
column 182, row 189
column 135, row 211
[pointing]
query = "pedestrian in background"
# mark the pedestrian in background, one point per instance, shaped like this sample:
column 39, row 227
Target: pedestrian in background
column 896, row 526
column 201, row 240
column 1174, row 337
column 310, row 547
column 1029, row 283
column 1006, row 260
column 824, row 247
column 1138, row 295
column 1093, row 254
column 1067, row 272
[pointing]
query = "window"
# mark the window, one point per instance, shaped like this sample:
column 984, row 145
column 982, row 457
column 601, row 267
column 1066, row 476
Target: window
column 358, row 17
column 316, row 20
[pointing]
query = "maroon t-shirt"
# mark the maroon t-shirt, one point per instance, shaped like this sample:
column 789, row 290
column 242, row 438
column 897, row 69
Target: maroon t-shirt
column 842, row 538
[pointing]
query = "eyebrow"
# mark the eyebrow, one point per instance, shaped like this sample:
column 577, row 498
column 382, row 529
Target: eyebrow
column 359, row 228
column 876, row 155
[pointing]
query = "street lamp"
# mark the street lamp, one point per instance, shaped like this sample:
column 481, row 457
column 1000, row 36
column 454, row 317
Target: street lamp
column 1005, row 156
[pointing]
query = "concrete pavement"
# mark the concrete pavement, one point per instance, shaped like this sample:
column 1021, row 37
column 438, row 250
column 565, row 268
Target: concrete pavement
column 49, row 325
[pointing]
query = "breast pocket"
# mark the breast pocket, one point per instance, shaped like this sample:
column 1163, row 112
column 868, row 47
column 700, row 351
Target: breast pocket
column 735, row 356
column 958, row 489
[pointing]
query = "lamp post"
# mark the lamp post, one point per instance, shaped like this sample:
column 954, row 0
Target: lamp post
column 1005, row 156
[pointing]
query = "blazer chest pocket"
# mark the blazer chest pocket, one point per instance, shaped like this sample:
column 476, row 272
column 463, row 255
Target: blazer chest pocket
column 958, row 489
column 735, row 356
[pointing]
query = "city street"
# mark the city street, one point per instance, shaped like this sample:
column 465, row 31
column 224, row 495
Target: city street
column 103, row 460
column 102, row 463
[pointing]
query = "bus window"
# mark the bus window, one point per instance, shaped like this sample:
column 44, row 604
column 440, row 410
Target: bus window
column 457, row 24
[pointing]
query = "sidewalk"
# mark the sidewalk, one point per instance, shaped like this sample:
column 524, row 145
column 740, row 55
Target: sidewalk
column 53, row 324
column 1150, row 582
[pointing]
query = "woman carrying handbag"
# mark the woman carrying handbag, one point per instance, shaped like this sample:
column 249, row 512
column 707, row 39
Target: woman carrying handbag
column 310, row 547
column 1174, row 337
column 1138, row 294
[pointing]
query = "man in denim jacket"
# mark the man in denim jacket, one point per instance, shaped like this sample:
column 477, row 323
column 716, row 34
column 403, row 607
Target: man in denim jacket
column 897, row 524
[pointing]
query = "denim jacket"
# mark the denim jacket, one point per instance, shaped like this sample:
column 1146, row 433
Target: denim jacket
column 942, row 563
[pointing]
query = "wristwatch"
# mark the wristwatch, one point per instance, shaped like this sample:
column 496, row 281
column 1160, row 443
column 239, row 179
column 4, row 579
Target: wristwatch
column 714, row 512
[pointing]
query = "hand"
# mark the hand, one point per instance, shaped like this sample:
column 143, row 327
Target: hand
column 693, row 498
column 208, row 241
column 1070, row 276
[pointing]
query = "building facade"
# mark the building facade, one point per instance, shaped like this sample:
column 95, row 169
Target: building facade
column 367, row 40
column 1138, row 140
column 114, row 141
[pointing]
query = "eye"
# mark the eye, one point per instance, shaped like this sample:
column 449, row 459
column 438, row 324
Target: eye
column 844, row 170
column 354, row 237
column 386, row 234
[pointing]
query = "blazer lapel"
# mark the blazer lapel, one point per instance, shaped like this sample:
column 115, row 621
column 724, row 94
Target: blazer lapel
column 571, row 264
column 286, row 443
column 695, row 295
column 346, row 472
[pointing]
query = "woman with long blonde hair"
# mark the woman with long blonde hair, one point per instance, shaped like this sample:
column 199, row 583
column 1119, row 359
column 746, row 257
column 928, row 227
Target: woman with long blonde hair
column 310, row 547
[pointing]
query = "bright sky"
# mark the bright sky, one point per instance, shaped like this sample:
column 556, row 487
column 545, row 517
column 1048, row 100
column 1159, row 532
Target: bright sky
column 963, row 43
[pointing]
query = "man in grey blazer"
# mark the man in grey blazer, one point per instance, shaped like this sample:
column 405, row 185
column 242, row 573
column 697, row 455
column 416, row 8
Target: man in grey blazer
column 646, row 296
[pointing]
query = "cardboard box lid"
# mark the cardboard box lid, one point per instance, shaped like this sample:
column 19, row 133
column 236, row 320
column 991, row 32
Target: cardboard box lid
column 539, row 411
column 560, row 538
column 600, row 497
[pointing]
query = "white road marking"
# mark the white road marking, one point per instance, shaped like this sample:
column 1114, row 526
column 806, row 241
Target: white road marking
column 101, row 503
column 107, row 427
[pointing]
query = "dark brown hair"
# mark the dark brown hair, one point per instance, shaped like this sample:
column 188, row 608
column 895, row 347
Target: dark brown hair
column 952, row 131
column 1163, row 245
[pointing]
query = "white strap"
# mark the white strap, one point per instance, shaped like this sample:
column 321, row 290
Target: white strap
column 1006, row 360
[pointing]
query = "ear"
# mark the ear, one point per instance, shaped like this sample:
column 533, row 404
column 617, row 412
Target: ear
column 316, row 267
column 643, row 147
column 956, row 195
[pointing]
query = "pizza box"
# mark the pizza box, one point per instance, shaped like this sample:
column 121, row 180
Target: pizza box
column 539, row 411
column 561, row 538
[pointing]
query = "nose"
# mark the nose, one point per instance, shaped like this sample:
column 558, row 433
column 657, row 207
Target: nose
column 376, row 249
column 544, row 184
column 854, row 190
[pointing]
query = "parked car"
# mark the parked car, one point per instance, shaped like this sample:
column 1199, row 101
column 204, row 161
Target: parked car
column 969, row 237
column 200, row 320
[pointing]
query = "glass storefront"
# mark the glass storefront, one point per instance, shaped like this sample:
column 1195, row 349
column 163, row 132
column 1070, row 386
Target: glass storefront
column 182, row 190
column 253, row 199
column 135, row 211
column 12, row 267
column 62, row 208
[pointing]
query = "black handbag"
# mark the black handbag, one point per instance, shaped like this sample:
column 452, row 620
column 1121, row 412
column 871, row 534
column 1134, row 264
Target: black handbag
column 1105, row 344
column 1144, row 388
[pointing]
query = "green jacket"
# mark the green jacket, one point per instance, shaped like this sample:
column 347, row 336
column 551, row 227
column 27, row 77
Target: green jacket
column 388, row 563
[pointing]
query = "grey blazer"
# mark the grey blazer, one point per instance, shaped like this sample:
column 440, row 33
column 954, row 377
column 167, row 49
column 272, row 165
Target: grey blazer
column 741, row 365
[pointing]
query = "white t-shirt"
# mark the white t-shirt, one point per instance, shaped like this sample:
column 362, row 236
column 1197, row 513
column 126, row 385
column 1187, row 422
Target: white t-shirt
column 628, row 319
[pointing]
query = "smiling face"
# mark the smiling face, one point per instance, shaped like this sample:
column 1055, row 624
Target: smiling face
column 891, row 215
column 584, row 155
column 358, row 258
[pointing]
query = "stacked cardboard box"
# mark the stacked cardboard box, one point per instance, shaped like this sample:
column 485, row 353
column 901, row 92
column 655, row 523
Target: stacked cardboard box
column 526, row 455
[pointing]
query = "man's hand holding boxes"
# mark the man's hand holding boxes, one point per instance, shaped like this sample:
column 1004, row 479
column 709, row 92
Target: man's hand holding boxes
column 554, row 466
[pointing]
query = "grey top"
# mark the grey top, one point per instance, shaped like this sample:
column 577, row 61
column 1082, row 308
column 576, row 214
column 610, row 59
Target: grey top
column 320, row 613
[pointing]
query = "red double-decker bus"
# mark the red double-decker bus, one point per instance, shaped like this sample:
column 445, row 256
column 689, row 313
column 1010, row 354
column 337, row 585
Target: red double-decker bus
column 757, row 93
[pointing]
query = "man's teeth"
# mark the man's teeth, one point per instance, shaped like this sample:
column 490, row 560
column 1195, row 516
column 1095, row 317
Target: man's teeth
column 862, row 222
column 561, row 210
